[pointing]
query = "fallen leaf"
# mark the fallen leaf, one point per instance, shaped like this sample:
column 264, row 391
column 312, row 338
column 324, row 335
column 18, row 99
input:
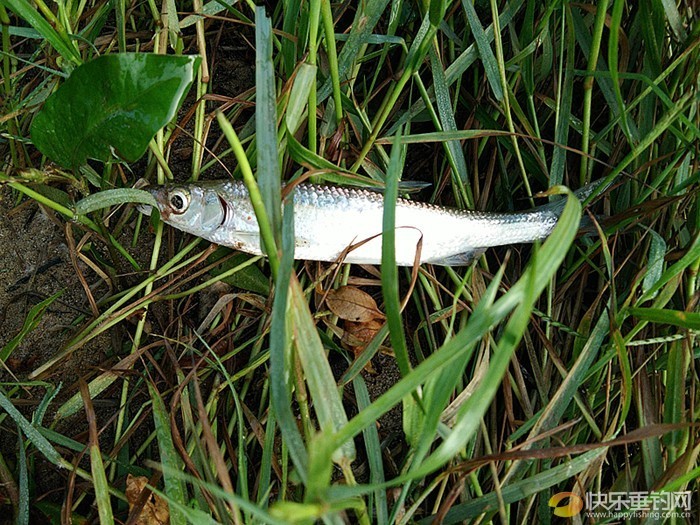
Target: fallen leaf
column 352, row 304
column 359, row 335
column 155, row 511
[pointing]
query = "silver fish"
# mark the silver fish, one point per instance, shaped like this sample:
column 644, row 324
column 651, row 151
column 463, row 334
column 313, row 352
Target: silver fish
column 330, row 221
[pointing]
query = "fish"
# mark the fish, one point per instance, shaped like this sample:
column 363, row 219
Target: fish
column 334, row 223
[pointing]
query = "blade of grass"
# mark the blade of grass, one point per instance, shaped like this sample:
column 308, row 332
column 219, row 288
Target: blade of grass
column 690, row 257
column 299, row 98
column 454, row 151
column 109, row 198
column 22, row 483
column 266, row 461
column 625, row 392
column 280, row 349
column 459, row 347
column 521, row 489
column 488, row 59
column 31, row 432
column 674, row 19
column 601, row 13
column 390, row 277
column 266, row 232
column 332, row 56
column 314, row 18
column 655, row 267
column 99, row 477
column 364, row 23
column 675, row 405
column 413, row 410
column 30, row 323
column 689, row 320
column 266, row 123
column 58, row 39
column 319, row 377
column 564, row 100
column 613, row 64
column 374, row 455
column 169, row 458
column 96, row 386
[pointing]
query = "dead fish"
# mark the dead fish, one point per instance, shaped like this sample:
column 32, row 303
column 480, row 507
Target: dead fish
column 330, row 219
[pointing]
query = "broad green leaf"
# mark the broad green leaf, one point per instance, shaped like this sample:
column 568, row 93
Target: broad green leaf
column 110, row 109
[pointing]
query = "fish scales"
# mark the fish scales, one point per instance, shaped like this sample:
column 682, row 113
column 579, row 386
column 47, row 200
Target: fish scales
column 330, row 221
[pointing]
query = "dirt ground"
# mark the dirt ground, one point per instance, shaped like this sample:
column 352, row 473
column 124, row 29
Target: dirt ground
column 35, row 264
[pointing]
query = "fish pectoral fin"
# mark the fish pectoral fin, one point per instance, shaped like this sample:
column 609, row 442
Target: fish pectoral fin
column 459, row 259
column 247, row 242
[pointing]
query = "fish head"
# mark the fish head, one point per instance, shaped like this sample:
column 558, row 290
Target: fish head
column 193, row 209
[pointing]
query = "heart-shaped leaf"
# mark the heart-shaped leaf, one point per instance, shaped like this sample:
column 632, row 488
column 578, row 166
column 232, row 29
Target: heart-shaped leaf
column 111, row 107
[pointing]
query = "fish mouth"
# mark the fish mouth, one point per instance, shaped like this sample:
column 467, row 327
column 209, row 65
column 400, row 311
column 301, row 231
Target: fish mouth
column 160, row 197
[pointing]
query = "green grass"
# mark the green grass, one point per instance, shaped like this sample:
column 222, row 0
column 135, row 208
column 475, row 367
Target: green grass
column 565, row 367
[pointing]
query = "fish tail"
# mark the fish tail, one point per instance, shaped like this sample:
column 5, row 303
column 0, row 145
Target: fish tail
column 557, row 206
column 554, row 209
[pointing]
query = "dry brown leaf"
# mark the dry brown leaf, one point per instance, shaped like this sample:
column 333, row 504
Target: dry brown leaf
column 155, row 511
column 360, row 334
column 352, row 304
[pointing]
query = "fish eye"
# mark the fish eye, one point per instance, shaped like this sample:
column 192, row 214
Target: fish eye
column 179, row 201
